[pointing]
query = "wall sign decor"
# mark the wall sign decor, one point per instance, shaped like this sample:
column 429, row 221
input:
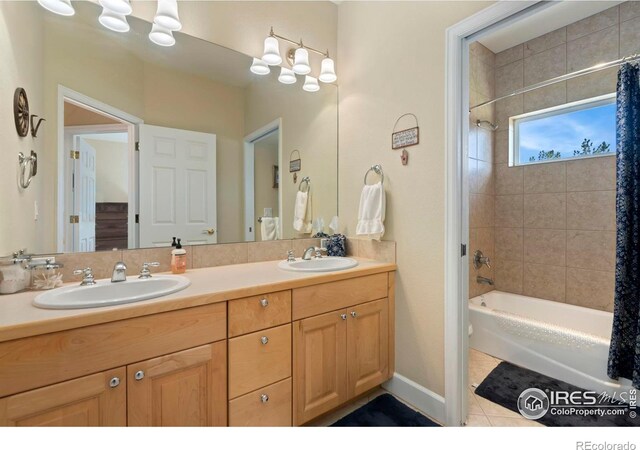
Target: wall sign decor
column 295, row 165
column 21, row 111
column 402, row 139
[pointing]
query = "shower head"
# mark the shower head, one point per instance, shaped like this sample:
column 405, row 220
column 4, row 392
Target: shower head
column 486, row 125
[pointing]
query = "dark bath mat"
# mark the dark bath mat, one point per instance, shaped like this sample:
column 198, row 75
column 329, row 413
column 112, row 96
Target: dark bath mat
column 505, row 383
column 385, row 411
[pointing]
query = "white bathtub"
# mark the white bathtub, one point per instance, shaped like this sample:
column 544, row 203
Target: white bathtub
column 566, row 342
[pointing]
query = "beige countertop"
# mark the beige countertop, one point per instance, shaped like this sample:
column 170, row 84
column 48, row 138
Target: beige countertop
column 19, row 318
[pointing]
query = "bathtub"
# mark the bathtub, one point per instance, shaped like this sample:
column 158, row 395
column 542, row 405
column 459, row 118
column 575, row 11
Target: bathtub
column 566, row 342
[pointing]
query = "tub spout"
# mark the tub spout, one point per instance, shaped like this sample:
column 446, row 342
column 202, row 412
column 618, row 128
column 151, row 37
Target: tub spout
column 483, row 280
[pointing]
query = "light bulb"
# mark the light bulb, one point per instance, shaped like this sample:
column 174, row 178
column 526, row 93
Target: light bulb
column 167, row 15
column 62, row 7
column 113, row 21
column 259, row 67
column 311, row 84
column 161, row 36
column 301, row 62
column 328, row 71
column 287, row 76
column 117, row 6
column 271, row 51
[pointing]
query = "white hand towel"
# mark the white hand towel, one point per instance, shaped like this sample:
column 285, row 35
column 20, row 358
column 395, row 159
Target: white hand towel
column 302, row 213
column 278, row 232
column 371, row 212
column 269, row 228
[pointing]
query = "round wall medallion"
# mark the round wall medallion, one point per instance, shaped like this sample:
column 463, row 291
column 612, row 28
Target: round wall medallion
column 21, row 111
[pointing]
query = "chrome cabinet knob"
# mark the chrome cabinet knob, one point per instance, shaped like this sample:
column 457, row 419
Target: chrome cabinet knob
column 343, row 316
column 264, row 302
column 354, row 314
column 264, row 398
column 264, row 340
column 114, row 382
column 139, row 375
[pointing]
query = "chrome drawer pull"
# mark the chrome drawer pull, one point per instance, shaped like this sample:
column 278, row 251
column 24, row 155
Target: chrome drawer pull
column 264, row 398
column 264, row 302
column 264, row 340
column 114, row 382
column 139, row 375
column 343, row 316
column 354, row 314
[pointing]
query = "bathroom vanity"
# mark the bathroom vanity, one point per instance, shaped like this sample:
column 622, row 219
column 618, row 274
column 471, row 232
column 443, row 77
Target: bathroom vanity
column 244, row 345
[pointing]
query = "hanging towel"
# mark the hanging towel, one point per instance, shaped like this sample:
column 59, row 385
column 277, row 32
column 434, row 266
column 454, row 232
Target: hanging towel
column 371, row 212
column 302, row 213
column 270, row 228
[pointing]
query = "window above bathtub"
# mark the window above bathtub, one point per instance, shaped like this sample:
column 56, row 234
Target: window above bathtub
column 583, row 129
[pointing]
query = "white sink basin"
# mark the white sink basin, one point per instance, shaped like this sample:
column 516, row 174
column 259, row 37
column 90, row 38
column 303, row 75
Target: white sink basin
column 327, row 264
column 106, row 293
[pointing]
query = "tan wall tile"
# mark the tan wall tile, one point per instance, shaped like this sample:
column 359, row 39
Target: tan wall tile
column 591, row 288
column 509, row 55
column 591, row 249
column 544, row 281
column 483, row 54
column 591, row 210
column 630, row 37
column 591, row 24
column 592, row 49
column 485, row 178
column 352, row 247
column 592, row 85
column 501, row 143
column 269, row 251
column 100, row 262
column 545, row 42
column 543, row 178
column 507, row 108
column 379, row 250
column 485, row 144
column 509, row 211
column 135, row 258
column 509, row 180
column 545, row 97
column 545, row 211
column 509, row 276
column 545, row 246
column 482, row 210
column 509, row 78
column 545, row 65
column 629, row 10
column 473, row 138
column 592, row 174
column 219, row 255
column 509, row 244
column 485, row 75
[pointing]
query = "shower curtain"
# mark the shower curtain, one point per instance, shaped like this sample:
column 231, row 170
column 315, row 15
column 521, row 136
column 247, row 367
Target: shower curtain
column 624, row 352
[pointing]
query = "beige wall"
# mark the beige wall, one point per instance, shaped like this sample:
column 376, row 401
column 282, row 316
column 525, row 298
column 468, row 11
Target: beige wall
column 112, row 171
column 555, row 222
column 481, row 167
column 392, row 61
column 22, row 67
column 265, row 195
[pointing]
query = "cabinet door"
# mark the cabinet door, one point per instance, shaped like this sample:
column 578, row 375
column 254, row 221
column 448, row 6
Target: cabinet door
column 187, row 388
column 94, row 400
column 367, row 346
column 320, row 371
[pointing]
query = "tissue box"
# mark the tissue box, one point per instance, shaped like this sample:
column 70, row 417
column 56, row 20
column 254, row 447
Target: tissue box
column 337, row 245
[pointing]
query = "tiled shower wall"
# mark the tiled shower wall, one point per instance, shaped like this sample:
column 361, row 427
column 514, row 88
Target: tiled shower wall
column 555, row 222
column 481, row 167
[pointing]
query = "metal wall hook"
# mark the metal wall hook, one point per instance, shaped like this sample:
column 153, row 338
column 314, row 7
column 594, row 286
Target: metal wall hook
column 34, row 128
column 28, row 168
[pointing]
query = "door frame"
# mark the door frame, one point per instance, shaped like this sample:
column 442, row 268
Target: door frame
column 456, row 320
column 249, row 181
column 131, row 122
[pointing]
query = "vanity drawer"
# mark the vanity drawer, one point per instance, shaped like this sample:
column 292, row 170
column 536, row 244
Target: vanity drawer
column 250, row 314
column 323, row 298
column 254, row 410
column 259, row 359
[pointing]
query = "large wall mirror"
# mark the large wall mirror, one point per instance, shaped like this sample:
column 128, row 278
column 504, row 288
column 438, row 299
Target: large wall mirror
column 144, row 143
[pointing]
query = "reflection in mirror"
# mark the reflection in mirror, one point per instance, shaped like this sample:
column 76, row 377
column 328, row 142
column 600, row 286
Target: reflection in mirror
column 144, row 143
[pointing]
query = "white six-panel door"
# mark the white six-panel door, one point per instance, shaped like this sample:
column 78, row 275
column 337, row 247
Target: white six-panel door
column 177, row 186
column 84, row 197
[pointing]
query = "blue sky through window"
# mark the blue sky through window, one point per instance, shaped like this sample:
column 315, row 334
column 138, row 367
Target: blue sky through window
column 565, row 132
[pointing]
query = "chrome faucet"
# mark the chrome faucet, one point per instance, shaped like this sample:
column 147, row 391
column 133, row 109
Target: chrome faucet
column 87, row 276
column 484, row 280
column 480, row 260
column 307, row 253
column 119, row 272
column 290, row 256
column 145, row 273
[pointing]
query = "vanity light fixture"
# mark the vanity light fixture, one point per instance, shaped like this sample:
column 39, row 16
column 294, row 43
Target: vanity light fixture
column 62, row 7
column 311, row 84
column 328, row 71
column 271, row 53
column 122, row 7
column 161, row 36
column 287, row 76
column 167, row 15
column 259, row 67
column 301, row 62
column 113, row 20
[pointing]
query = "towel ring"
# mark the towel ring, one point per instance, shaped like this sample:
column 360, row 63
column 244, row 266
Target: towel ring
column 305, row 180
column 377, row 169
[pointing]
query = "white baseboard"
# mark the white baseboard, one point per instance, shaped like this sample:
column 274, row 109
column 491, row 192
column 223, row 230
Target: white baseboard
column 418, row 396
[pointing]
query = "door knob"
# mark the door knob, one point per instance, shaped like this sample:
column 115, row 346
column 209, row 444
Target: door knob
column 208, row 231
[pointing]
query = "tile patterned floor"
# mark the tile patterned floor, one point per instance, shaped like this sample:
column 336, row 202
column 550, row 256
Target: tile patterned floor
column 482, row 412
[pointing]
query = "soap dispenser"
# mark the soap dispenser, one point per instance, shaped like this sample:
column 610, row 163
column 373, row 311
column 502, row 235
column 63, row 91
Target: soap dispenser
column 178, row 259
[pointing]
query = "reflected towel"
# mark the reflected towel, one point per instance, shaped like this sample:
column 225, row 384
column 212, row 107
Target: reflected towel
column 270, row 228
column 302, row 212
column 371, row 212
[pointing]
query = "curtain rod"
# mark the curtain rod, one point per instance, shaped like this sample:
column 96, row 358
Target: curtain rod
column 550, row 81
